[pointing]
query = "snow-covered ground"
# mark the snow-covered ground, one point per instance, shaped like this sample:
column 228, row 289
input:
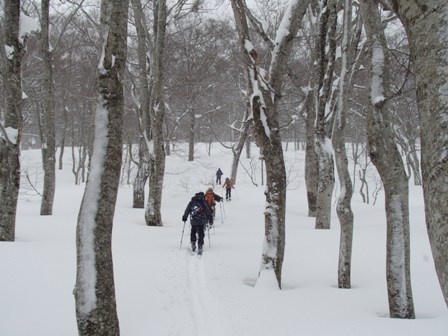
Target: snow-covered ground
column 163, row 291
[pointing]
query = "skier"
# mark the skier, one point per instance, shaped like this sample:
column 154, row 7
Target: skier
column 200, row 214
column 219, row 173
column 211, row 199
column 228, row 184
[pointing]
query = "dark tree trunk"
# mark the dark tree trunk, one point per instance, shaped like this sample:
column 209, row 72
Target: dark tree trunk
column 11, row 130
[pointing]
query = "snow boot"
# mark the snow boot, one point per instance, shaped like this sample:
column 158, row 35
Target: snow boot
column 200, row 249
column 193, row 246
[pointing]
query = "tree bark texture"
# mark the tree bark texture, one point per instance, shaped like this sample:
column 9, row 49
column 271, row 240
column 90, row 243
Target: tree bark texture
column 426, row 26
column 143, row 107
column 326, row 53
column 156, row 145
column 343, row 208
column 264, row 102
column 48, row 118
column 387, row 159
column 140, row 178
column 95, row 287
column 311, row 161
column 11, row 128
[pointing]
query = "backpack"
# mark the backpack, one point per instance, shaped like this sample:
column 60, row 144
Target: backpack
column 197, row 210
column 210, row 198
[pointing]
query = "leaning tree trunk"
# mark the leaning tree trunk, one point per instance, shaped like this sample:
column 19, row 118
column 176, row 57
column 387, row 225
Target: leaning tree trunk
column 426, row 26
column 264, row 104
column 387, row 159
column 12, row 126
column 238, row 148
column 95, row 288
column 48, row 118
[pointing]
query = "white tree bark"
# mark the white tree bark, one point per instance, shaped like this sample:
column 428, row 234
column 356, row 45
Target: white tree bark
column 95, row 287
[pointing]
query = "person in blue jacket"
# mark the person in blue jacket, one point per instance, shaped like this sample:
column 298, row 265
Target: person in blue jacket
column 219, row 173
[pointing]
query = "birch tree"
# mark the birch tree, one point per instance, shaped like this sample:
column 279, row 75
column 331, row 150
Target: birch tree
column 343, row 208
column 264, row 92
column 154, row 134
column 426, row 25
column 95, row 288
column 142, row 101
column 325, row 62
column 12, row 126
column 387, row 159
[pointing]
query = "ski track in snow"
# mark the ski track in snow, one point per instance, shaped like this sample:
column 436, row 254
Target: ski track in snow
column 204, row 304
column 196, row 310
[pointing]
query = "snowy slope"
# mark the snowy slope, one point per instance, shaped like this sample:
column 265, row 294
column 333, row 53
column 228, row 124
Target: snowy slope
column 162, row 290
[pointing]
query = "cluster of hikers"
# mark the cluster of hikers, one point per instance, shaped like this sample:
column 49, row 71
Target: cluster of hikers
column 202, row 211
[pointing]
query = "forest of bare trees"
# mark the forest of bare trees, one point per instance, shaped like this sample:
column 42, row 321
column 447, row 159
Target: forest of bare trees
column 340, row 79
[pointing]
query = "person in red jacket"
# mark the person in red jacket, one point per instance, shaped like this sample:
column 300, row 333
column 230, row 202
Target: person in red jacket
column 211, row 199
column 228, row 184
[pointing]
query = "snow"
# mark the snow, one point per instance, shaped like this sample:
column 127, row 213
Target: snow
column 12, row 134
column 27, row 25
column 87, row 267
column 377, row 88
column 162, row 290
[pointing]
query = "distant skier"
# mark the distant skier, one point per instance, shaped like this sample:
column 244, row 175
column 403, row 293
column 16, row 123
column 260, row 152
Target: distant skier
column 200, row 214
column 219, row 173
column 228, row 184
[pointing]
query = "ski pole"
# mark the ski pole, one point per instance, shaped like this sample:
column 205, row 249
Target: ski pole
column 208, row 233
column 222, row 216
column 182, row 237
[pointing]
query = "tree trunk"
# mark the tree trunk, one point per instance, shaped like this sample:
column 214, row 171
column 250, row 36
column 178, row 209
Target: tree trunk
column 48, row 118
column 153, row 214
column 344, row 208
column 95, row 288
column 238, row 148
column 191, row 137
column 264, row 106
column 11, row 130
column 311, row 162
column 140, row 178
column 387, row 159
column 143, row 108
column 425, row 25
column 326, row 53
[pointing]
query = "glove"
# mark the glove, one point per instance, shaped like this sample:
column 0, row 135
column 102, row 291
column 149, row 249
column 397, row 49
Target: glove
column 184, row 218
